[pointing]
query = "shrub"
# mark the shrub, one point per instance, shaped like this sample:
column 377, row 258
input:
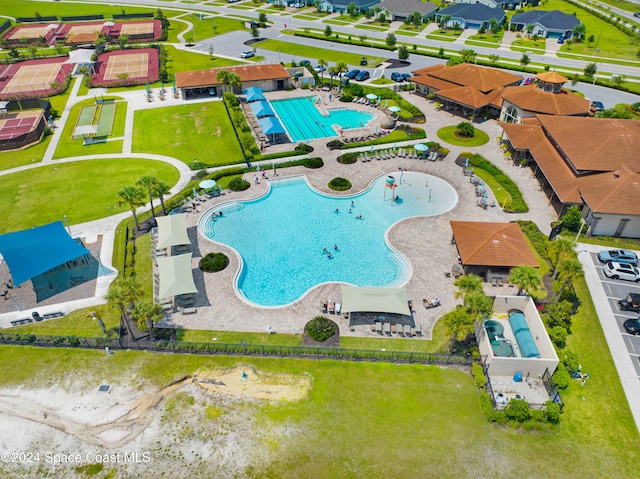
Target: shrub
column 346, row 98
column 572, row 218
column 239, row 184
column 340, row 184
column 465, row 129
column 561, row 377
column 559, row 314
column 478, row 376
column 348, row 158
column 214, row 262
column 553, row 412
column 517, row 410
column 304, row 147
column 487, row 408
column 538, row 239
column 558, row 336
column 335, row 145
column 320, row 328
column 314, row 162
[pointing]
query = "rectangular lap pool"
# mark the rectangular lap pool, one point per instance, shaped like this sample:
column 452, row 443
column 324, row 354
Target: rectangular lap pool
column 304, row 121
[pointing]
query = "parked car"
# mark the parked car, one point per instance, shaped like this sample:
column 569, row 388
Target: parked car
column 624, row 271
column 637, row 14
column 298, row 5
column 630, row 303
column 406, row 77
column 320, row 68
column 362, row 76
column 305, row 63
column 351, row 74
column 364, row 61
column 529, row 81
column 597, row 105
column 632, row 326
column 561, row 40
column 395, row 76
column 619, row 256
column 247, row 54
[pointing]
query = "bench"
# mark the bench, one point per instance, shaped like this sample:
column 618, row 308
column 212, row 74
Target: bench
column 19, row 322
column 59, row 314
column 188, row 310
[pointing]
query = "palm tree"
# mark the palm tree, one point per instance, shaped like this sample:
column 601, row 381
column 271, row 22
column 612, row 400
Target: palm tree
column 122, row 293
column 222, row 76
column 458, row 323
column 233, row 80
column 341, row 67
column 467, row 284
column 559, row 248
column 568, row 271
column 148, row 183
column 145, row 312
column 495, row 26
column 134, row 197
column 161, row 189
column 323, row 63
column 526, row 278
column 478, row 304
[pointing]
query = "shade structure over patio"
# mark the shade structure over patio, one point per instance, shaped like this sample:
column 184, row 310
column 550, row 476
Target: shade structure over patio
column 176, row 276
column 374, row 300
column 172, row 230
column 85, row 130
column 271, row 125
column 254, row 94
column 261, row 109
column 34, row 251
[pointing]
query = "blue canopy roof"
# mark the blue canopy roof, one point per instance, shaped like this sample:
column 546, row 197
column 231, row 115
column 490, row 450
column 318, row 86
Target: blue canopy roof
column 32, row 252
column 261, row 108
column 254, row 94
column 271, row 125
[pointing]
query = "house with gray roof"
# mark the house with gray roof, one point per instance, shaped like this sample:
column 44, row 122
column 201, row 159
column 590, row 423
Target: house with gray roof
column 465, row 15
column 340, row 6
column 548, row 24
column 504, row 4
column 400, row 10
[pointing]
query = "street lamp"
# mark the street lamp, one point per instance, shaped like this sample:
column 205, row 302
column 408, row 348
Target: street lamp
column 66, row 222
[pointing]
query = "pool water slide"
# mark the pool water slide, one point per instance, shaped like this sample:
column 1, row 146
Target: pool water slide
column 297, row 117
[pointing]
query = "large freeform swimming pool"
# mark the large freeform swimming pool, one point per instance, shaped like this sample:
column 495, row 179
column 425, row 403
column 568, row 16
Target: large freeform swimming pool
column 281, row 236
column 304, row 121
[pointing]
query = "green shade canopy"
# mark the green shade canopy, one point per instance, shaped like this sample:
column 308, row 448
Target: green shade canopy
column 374, row 300
column 172, row 230
column 176, row 276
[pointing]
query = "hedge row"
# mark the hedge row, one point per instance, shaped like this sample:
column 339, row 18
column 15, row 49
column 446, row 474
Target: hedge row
column 336, row 38
column 517, row 204
column 538, row 239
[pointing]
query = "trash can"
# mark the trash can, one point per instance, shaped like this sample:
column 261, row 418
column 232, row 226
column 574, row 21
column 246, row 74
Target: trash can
column 36, row 316
column 517, row 377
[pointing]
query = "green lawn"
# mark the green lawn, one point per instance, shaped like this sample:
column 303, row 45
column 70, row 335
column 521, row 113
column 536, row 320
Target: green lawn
column 69, row 148
column 382, row 81
column 375, row 27
column 200, row 131
column 427, row 419
column 33, row 154
column 82, row 190
column 444, row 35
column 58, row 102
column 525, row 44
column 236, row 337
column 28, row 9
column 184, row 61
column 447, row 134
column 486, row 38
column 203, row 29
column 304, row 51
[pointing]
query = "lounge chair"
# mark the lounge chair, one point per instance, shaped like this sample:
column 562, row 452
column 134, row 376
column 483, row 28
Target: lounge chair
column 378, row 327
column 418, row 329
column 399, row 328
column 323, row 307
column 187, row 310
column 407, row 330
column 387, row 328
column 338, row 308
column 355, row 99
column 331, row 307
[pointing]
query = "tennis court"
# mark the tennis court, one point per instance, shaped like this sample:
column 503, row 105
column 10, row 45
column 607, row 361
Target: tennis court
column 30, row 32
column 18, row 124
column 135, row 65
column 33, row 78
column 80, row 29
column 102, row 116
column 137, row 28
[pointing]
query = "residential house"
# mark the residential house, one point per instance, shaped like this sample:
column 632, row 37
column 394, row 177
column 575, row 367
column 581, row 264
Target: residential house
column 340, row 6
column 547, row 24
column 465, row 15
column 504, row 4
column 400, row 10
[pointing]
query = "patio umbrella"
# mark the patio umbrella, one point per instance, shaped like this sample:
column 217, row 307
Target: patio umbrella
column 485, row 196
column 386, row 103
column 372, row 96
column 394, row 109
column 207, row 184
column 421, row 147
column 466, row 163
column 378, row 99
column 195, row 193
column 147, row 88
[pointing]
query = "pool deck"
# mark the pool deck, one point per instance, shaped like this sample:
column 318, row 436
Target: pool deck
column 426, row 242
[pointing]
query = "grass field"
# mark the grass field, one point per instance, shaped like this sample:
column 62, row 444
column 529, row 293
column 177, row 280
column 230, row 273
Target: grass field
column 33, row 154
column 83, row 190
column 29, row 9
column 184, row 61
column 304, row 51
column 446, row 134
column 426, row 419
column 68, row 148
column 198, row 131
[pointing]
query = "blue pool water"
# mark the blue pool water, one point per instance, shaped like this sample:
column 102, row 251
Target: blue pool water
column 304, row 121
column 281, row 235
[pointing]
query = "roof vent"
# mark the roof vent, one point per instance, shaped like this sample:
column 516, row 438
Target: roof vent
column 616, row 174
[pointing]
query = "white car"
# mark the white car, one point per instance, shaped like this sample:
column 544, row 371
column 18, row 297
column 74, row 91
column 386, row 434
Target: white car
column 247, row 54
column 625, row 271
column 298, row 5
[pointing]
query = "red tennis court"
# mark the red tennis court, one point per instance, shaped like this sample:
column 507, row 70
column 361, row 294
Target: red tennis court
column 15, row 125
column 34, row 78
column 30, row 32
column 130, row 67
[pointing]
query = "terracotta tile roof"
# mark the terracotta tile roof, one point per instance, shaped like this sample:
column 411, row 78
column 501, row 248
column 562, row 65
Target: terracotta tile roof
column 531, row 98
column 429, row 69
column 551, row 77
column 248, row 73
column 612, row 192
column 604, row 144
column 465, row 95
column 432, row 82
column 482, row 78
column 492, row 244
column 81, row 38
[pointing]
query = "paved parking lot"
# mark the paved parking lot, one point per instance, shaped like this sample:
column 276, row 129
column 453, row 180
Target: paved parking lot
column 616, row 289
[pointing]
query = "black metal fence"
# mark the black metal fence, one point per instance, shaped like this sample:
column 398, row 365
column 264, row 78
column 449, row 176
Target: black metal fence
column 37, row 19
column 126, row 16
column 81, row 18
column 6, row 25
column 237, row 349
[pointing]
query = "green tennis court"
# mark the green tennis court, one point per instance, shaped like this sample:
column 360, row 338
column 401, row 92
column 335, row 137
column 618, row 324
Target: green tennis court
column 87, row 113
column 105, row 122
